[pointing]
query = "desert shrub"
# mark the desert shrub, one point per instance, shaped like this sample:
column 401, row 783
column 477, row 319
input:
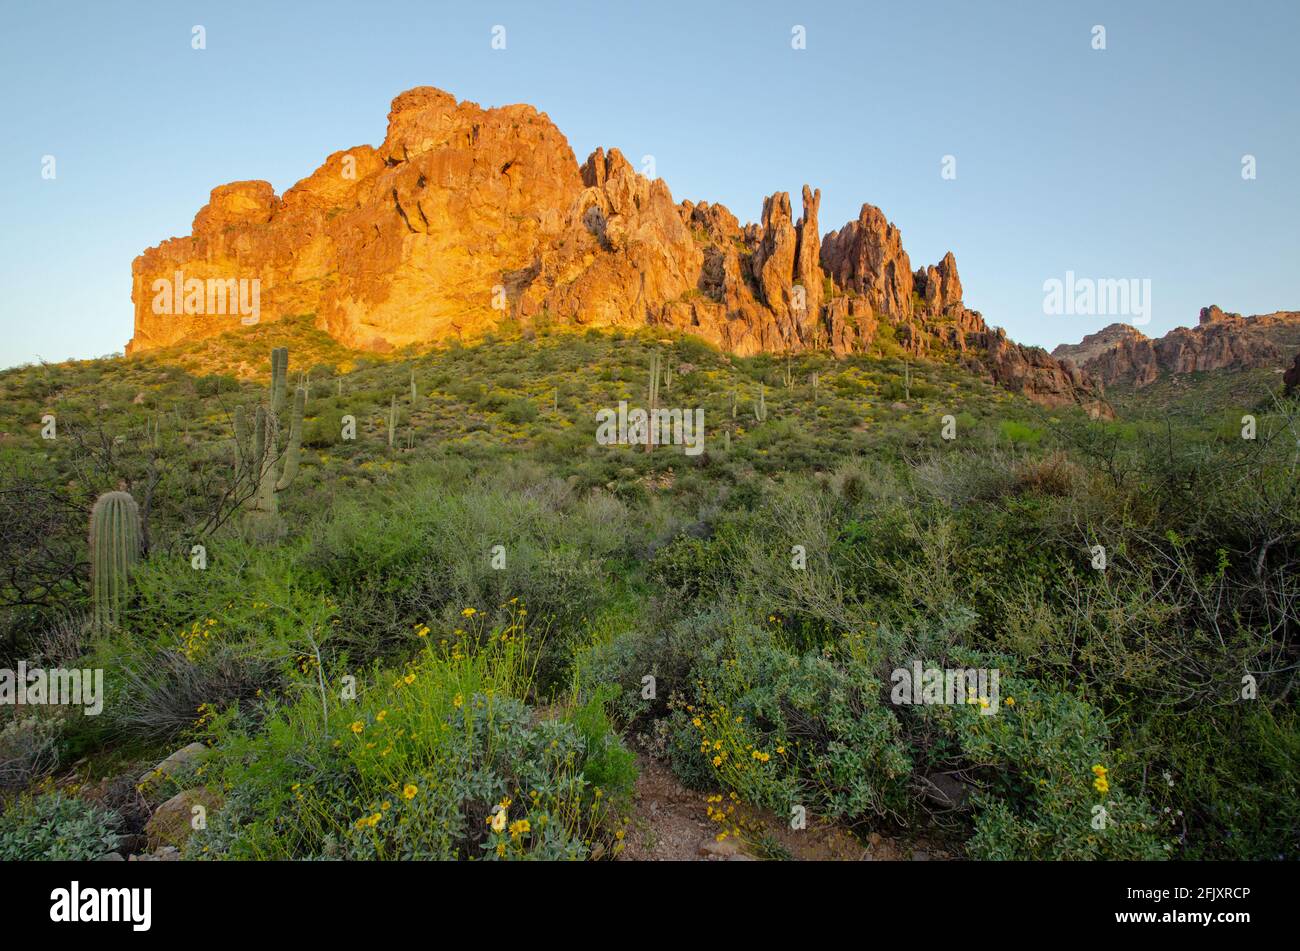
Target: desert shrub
column 1048, row 792
column 688, row 566
column 214, row 385
column 608, row 764
column 324, row 430
column 782, row 729
column 158, row 695
column 663, row 647
column 1019, row 434
column 29, row 749
column 56, row 827
column 419, row 768
column 519, row 411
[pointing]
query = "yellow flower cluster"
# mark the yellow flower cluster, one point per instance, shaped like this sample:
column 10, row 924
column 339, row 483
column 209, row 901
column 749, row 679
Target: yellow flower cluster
column 519, row 827
column 1100, row 783
column 193, row 640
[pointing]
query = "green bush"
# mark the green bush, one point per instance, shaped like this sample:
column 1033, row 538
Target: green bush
column 418, row 766
column 1049, row 793
column 56, row 827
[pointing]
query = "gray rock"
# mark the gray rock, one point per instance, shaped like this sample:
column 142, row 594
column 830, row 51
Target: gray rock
column 183, row 758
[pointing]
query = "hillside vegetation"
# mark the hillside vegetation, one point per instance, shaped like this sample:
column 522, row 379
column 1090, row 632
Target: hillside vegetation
column 450, row 636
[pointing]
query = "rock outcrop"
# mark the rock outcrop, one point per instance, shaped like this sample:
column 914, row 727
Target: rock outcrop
column 1119, row 354
column 1291, row 377
column 464, row 218
column 867, row 258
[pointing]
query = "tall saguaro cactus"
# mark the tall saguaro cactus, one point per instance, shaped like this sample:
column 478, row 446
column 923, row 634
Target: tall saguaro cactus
column 114, row 549
column 760, row 404
column 271, row 467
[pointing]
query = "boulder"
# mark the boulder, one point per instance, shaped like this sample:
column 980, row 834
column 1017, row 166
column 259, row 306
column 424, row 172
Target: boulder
column 172, row 822
column 183, row 759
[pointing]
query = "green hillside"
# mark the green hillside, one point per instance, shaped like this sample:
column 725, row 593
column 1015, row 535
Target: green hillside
column 457, row 641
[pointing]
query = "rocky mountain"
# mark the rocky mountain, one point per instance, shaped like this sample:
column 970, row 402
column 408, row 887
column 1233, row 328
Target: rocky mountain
column 1120, row 354
column 465, row 217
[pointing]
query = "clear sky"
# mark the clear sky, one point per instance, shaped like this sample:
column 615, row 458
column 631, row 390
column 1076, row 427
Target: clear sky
column 1116, row 163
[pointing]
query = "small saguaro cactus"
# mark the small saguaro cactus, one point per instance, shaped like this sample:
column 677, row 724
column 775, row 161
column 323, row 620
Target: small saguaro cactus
column 653, row 394
column 815, row 381
column 114, row 549
column 653, row 397
column 760, row 404
column 735, row 402
column 414, row 391
column 392, row 423
column 262, row 467
column 668, row 378
column 789, row 375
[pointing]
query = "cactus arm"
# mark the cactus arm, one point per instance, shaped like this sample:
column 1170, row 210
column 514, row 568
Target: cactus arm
column 293, row 451
column 265, row 438
column 279, row 373
column 258, row 461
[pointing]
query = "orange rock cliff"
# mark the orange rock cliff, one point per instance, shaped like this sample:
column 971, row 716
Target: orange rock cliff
column 464, row 216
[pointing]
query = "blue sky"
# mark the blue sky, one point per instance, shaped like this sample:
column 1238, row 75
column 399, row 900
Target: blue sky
column 1122, row 163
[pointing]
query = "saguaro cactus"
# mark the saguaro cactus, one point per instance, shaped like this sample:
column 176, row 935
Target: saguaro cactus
column 271, row 467
column 653, row 395
column 392, row 423
column 114, row 549
column 653, row 399
column 414, row 392
column 760, row 404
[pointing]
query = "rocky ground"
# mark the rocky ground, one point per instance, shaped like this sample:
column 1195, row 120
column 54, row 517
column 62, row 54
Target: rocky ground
column 672, row 823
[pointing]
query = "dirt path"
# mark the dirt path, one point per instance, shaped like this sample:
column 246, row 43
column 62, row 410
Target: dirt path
column 672, row 823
